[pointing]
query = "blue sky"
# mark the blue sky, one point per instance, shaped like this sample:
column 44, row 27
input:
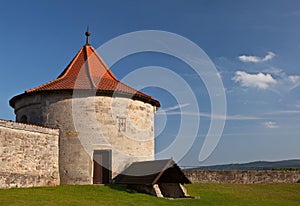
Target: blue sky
column 254, row 45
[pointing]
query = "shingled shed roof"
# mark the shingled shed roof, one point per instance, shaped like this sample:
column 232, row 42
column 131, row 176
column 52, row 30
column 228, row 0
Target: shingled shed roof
column 152, row 172
column 88, row 71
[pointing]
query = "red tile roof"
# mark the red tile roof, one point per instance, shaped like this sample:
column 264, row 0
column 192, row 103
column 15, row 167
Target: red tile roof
column 87, row 71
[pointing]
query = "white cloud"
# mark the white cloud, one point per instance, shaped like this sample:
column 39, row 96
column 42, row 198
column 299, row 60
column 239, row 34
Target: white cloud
column 255, row 59
column 270, row 125
column 268, row 57
column 260, row 80
column 294, row 78
column 274, row 71
column 245, row 58
column 287, row 83
column 290, row 82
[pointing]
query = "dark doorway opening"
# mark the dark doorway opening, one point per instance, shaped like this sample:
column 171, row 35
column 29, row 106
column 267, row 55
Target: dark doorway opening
column 102, row 167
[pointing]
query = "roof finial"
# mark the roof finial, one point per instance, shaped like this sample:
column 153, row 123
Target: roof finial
column 87, row 34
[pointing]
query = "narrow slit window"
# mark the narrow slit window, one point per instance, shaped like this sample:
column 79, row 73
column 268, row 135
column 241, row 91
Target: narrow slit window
column 122, row 124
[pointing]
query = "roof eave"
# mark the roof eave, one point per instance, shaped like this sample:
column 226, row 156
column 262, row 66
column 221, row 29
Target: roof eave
column 151, row 101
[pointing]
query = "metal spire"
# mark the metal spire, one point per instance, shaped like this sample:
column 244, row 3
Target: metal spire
column 87, row 34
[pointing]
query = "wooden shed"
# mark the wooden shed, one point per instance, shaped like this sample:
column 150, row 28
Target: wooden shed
column 162, row 178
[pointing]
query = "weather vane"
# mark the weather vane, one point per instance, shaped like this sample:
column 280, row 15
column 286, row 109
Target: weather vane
column 87, row 34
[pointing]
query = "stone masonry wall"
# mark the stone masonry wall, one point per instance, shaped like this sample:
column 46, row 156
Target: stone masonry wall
column 242, row 177
column 28, row 155
column 92, row 123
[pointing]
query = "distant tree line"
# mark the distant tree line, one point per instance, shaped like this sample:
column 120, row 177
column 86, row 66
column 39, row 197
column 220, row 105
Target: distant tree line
column 286, row 169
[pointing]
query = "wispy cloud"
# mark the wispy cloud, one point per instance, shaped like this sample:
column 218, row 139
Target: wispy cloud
column 279, row 112
column 294, row 78
column 286, row 82
column 175, row 107
column 171, row 111
column 270, row 125
column 241, row 117
column 256, row 59
column 274, row 71
column 260, row 80
column 228, row 117
column 294, row 81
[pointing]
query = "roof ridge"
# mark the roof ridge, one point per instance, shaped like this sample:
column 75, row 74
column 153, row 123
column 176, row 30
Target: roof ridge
column 170, row 162
column 137, row 91
column 103, row 63
column 87, row 67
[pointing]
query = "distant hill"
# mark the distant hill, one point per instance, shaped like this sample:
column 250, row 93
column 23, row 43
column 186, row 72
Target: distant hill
column 258, row 165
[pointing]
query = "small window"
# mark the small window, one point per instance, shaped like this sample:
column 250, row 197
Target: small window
column 122, row 124
column 24, row 119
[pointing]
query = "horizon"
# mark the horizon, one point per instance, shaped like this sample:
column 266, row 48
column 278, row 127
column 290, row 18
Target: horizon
column 241, row 163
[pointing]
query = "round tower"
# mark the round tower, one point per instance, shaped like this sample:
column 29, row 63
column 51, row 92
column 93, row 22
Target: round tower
column 104, row 124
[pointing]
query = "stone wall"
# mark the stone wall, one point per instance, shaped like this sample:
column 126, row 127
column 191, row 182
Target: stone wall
column 28, row 155
column 242, row 177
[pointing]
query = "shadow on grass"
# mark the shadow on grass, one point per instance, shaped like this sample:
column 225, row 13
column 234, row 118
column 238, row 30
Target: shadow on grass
column 122, row 188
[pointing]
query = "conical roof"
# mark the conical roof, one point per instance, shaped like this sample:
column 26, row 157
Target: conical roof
column 87, row 71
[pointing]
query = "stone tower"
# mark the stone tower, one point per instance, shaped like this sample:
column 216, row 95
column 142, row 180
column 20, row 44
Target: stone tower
column 104, row 124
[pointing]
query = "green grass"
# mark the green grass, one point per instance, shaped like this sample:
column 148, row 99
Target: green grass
column 210, row 194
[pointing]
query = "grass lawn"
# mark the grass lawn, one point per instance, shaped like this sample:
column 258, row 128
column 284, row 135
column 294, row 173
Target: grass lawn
column 211, row 194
